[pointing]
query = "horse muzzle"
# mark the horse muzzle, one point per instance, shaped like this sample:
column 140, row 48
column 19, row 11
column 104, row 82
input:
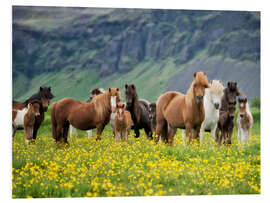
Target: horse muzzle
column 199, row 99
column 37, row 114
column 241, row 115
column 45, row 108
column 216, row 105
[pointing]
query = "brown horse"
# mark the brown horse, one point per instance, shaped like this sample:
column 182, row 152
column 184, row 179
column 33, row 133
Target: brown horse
column 83, row 115
column 122, row 123
column 176, row 110
column 44, row 96
column 25, row 119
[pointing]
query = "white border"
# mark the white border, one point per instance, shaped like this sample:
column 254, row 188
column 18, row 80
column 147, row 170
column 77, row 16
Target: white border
column 6, row 89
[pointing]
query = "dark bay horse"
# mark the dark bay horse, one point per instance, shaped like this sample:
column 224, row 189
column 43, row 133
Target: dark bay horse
column 44, row 96
column 226, row 113
column 176, row 110
column 139, row 110
column 83, row 115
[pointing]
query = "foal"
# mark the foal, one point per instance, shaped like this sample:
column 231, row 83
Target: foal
column 122, row 123
column 244, row 121
column 25, row 118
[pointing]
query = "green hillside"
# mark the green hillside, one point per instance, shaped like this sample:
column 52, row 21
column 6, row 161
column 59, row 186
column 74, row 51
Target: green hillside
column 74, row 50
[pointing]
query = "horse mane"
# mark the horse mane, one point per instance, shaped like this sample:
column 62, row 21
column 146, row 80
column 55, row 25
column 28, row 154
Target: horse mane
column 217, row 87
column 102, row 101
column 44, row 92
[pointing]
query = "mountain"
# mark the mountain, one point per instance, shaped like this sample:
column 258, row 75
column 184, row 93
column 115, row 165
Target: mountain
column 74, row 50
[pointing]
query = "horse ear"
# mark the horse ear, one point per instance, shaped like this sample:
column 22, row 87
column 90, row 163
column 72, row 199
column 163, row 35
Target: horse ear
column 235, row 83
column 204, row 73
column 211, row 81
column 133, row 86
column 229, row 84
column 40, row 88
column 194, row 74
column 109, row 89
column 49, row 88
column 117, row 89
column 126, row 86
column 220, row 81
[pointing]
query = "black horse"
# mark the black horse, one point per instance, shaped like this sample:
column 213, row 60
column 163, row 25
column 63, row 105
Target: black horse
column 44, row 96
column 139, row 110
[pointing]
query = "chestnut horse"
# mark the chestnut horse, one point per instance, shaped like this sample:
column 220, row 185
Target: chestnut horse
column 122, row 123
column 83, row 115
column 176, row 110
column 44, row 96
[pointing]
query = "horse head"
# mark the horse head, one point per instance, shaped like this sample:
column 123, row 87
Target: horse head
column 152, row 110
column 120, row 108
column 231, row 92
column 115, row 97
column 216, row 92
column 131, row 94
column 242, row 102
column 46, row 96
column 35, row 107
column 200, row 82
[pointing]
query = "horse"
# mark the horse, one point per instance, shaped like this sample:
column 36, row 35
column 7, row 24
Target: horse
column 25, row 119
column 122, row 123
column 176, row 110
column 244, row 121
column 93, row 93
column 139, row 110
column 83, row 115
column 225, row 125
column 212, row 103
column 44, row 96
column 153, row 116
column 226, row 113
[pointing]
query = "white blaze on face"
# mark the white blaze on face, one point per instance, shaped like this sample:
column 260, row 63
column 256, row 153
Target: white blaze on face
column 113, row 101
column 241, row 105
column 120, row 110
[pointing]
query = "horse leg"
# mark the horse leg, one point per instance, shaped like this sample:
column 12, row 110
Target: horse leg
column 70, row 131
column 137, row 132
column 117, row 135
column 37, row 125
column 65, row 132
column 148, row 132
column 100, row 128
column 13, row 132
column 188, row 132
column 202, row 133
column 89, row 133
column 161, row 130
column 184, row 137
column 171, row 133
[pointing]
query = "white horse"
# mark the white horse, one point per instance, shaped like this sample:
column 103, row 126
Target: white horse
column 244, row 122
column 93, row 93
column 211, row 103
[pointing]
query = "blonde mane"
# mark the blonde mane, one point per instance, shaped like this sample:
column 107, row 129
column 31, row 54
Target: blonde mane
column 217, row 87
column 199, row 79
column 102, row 102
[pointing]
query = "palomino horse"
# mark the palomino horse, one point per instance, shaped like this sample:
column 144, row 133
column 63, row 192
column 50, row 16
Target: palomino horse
column 83, row 115
column 122, row 123
column 176, row 110
column 212, row 103
column 25, row 119
column 44, row 96
column 93, row 93
column 244, row 121
column 139, row 110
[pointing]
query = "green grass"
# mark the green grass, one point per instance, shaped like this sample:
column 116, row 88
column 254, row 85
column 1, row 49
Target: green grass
column 137, row 168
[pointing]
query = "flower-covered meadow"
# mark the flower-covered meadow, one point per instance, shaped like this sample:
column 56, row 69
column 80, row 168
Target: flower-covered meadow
column 88, row 168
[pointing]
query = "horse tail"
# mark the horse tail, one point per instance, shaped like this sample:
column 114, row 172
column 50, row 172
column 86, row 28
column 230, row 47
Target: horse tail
column 53, row 121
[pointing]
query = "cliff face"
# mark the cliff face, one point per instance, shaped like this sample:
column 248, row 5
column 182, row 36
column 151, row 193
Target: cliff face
column 114, row 42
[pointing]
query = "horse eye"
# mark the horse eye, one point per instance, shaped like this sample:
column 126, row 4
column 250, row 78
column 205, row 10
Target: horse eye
column 195, row 85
